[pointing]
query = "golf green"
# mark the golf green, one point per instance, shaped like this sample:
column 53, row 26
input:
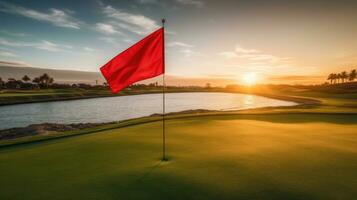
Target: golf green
column 277, row 156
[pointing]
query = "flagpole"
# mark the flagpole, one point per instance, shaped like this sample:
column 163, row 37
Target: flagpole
column 163, row 98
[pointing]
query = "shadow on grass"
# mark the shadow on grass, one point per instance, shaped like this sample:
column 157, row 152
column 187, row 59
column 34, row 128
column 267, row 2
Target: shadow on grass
column 163, row 185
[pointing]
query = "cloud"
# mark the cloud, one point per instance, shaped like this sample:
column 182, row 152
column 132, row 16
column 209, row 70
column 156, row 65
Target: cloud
column 106, row 28
column 148, row 1
column 179, row 44
column 43, row 45
column 296, row 79
column 228, row 54
column 239, row 52
column 188, row 53
column 259, row 57
column 57, row 17
column 239, row 49
column 253, row 55
column 88, row 49
column 135, row 23
column 13, row 64
column 14, row 33
column 265, row 58
column 109, row 40
column 197, row 3
column 49, row 46
column 128, row 41
column 12, row 44
column 7, row 54
column 184, row 48
column 115, row 41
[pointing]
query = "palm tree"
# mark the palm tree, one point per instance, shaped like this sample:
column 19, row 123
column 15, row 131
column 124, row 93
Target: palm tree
column 36, row 80
column 344, row 76
column 334, row 77
column 26, row 78
column 338, row 77
column 45, row 80
column 353, row 75
column 330, row 77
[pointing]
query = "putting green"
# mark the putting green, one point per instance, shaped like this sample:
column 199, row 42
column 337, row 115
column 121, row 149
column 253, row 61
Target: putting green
column 277, row 156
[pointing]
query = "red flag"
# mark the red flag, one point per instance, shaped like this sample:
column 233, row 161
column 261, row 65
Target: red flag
column 143, row 60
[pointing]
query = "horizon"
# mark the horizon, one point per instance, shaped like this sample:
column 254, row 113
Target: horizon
column 281, row 42
column 65, row 76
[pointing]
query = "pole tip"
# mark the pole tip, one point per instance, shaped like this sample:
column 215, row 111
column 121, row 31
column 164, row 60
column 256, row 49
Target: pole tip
column 163, row 20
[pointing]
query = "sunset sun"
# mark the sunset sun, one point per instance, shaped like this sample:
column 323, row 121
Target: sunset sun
column 250, row 78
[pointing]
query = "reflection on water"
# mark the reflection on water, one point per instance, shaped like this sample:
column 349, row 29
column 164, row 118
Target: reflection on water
column 248, row 99
column 126, row 107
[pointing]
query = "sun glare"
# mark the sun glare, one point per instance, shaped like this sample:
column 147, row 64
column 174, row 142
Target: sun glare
column 249, row 78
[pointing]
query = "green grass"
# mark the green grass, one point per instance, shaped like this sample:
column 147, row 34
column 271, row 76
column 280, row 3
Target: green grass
column 301, row 152
column 28, row 96
column 252, row 156
column 8, row 97
column 330, row 99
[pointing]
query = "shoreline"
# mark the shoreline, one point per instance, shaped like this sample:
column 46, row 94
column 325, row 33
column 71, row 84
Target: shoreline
column 298, row 100
column 45, row 131
column 55, row 130
column 99, row 127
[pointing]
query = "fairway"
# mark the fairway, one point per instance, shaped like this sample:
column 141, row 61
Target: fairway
column 276, row 156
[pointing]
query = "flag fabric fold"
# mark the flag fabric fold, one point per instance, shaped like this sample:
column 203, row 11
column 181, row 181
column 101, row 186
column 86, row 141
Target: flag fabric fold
column 143, row 60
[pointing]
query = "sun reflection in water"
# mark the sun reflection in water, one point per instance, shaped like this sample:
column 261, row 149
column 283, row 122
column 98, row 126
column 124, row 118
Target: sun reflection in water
column 248, row 99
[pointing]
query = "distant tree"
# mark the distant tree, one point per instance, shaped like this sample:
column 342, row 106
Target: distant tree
column 36, row 80
column 51, row 80
column 44, row 80
column 331, row 77
column 26, row 79
column 13, row 83
column 352, row 75
column 338, row 77
column 344, row 76
column 208, row 85
column 83, row 86
column 1, row 83
column 334, row 77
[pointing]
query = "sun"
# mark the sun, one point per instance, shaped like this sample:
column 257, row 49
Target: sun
column 250, row 78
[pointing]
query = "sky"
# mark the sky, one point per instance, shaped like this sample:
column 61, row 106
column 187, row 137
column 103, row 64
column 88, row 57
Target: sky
column 277, row 41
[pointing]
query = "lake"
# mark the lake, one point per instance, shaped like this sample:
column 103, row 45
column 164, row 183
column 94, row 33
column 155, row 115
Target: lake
column 109, row 109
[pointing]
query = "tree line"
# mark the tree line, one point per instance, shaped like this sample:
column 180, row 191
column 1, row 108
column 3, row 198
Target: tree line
column 43, row 81
column 342, row 77
column 46, row 81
